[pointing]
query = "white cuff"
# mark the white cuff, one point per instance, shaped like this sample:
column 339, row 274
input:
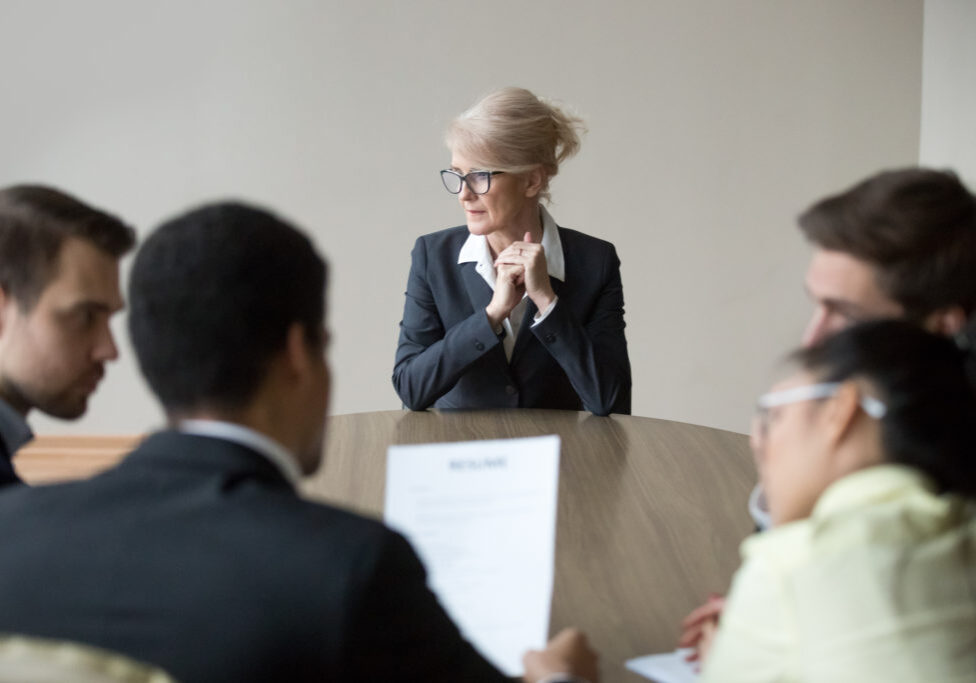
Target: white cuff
column 539, row 317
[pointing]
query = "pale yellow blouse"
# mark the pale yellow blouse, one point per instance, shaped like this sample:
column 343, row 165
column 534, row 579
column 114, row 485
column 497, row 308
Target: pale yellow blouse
column 878, row 584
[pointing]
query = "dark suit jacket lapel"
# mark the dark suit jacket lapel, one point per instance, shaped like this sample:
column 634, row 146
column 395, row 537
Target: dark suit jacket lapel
column 480, row 295
column 7, row 473
column 478, row 290
column 525, row 335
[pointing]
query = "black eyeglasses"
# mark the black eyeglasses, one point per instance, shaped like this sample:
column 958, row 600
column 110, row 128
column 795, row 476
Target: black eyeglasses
column 478, row 182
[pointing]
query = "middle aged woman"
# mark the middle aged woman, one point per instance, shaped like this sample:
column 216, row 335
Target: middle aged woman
column 866, row 453
column 511, row 310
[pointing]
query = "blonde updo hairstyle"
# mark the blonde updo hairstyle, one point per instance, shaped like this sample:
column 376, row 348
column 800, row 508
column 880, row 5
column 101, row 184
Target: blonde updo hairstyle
column 514, row 131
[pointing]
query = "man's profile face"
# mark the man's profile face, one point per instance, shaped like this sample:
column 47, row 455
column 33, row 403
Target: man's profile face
column 52, row 357
column 844, row 291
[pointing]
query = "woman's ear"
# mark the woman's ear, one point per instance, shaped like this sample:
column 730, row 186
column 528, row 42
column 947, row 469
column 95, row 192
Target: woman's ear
column 535, row 181
column 840, row 413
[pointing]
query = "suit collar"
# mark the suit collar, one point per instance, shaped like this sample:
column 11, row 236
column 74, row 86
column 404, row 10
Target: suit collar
column 14, row 430
column 206, row 455
column 478, row 290
column 7, row 473
column 475, row 250
column 269, row 448
column 553, row 246
column 14, row 433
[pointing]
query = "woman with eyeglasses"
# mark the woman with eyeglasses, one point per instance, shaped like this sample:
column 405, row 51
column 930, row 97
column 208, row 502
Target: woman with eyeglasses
column 867, row 453
column 511, row 310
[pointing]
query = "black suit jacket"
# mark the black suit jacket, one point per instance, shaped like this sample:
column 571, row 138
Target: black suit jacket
column 449, row 357
column 14, row 433
column 196, row 555
column 7, row 473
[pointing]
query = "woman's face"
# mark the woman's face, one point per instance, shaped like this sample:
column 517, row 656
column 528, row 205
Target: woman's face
column 792, row 453
column 510, row 201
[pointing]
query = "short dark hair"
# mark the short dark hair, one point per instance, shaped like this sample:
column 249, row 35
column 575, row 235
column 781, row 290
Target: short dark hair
column 34, row 222
column 212, row 294
column 925, row 380
column 916, row 226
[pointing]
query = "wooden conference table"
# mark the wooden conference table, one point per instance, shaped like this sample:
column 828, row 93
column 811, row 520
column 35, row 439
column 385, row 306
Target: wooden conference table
column 651, row 512
column 650, row 516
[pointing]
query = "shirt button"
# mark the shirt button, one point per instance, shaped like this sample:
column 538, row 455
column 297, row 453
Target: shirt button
column 478, row 345
column 510, row 390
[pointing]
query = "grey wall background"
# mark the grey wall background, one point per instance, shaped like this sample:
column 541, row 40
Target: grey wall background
column 712, row 124
column 948, row 90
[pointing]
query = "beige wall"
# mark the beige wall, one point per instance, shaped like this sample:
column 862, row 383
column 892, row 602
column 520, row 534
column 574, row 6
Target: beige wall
column 712, row 124
column 948, row 91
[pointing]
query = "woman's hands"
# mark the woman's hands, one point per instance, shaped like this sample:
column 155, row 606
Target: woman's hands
column 509, row 288
column 521, row 268
column 699, row 627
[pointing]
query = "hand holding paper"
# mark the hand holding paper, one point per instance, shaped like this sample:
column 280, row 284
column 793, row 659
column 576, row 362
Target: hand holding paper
column 568, row 653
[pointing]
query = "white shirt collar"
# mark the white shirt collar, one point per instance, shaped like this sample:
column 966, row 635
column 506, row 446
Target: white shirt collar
column 475, row 249
column 279, row 456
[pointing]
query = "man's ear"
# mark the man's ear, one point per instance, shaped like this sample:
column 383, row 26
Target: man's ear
column 296, row 350
column 946, row 321
column 535, row 181
column 5, row 302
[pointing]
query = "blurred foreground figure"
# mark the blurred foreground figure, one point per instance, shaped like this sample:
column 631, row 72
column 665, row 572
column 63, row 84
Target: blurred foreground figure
column 866, row 454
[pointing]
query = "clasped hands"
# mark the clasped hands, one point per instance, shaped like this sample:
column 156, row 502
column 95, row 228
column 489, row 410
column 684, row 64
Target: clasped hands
column 520, row 269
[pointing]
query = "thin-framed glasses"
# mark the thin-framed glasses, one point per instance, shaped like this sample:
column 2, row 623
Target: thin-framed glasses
column 478, row 182
column 809, row 392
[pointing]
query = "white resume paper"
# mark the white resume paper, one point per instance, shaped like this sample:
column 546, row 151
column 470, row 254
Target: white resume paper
column 482, row 517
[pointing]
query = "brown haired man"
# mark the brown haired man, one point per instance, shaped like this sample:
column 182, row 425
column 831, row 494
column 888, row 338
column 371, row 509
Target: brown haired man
column 900, row 244
column 59, row 285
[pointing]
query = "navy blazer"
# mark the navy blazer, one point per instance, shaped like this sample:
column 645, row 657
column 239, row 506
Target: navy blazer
column 449, row 357
column 196, row 555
